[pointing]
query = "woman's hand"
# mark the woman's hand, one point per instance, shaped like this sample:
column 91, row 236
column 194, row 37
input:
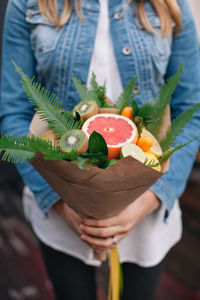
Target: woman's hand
column 103, row 234
column 69, row 215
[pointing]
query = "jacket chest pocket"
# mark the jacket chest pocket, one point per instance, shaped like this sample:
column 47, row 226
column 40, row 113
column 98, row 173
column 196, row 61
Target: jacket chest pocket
column 151, row 48
column 44, row 36
column 158, row 46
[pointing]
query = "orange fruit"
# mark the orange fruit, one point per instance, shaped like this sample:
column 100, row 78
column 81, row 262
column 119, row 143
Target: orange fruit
column 127, row 112
column 116, row 130
column 145, row 143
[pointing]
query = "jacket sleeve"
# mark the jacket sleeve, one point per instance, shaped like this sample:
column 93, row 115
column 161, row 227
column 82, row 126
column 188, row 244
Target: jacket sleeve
column 16, row 112
column 185, row 50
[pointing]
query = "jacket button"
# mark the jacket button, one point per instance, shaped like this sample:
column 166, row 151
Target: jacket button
column 126, row 50
column 136, row 89
column 118, row 15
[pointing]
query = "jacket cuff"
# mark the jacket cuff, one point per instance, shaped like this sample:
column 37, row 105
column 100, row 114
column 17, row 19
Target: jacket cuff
column 46, row 198
column 165, row 194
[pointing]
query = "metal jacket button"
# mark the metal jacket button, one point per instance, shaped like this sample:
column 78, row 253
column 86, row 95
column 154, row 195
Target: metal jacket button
column 118, row 15
column 126, row 50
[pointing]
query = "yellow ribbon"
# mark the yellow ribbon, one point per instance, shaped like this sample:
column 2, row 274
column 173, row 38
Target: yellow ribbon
column 115, row 276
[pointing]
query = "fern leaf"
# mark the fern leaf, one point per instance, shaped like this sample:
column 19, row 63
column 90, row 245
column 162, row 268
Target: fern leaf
column 17, row 149
column 84, row 92
column 50, row 151
column 157, row 107
column 57, row 155
column 126, row 96
column 177, row 126
column 135, row 108
column 148, row 111
column 99, row 91
column 151, row 163
column 169, row 152
column 48, row 106
column 20, row 149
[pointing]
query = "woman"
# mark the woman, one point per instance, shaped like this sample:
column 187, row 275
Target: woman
column 118, row 40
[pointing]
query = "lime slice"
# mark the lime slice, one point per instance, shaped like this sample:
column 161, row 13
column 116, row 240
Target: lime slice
column 134, row 151
column 155, row 148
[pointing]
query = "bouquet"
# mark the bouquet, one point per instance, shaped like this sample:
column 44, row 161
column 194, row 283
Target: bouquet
column 101, row 156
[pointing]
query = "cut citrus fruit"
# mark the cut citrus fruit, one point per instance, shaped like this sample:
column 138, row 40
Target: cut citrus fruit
column 116, row 130
column 134, row 151
column 151, row 158
column 155, row 148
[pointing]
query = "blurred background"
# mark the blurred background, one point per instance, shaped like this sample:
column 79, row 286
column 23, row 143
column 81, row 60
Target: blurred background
column 22, row 273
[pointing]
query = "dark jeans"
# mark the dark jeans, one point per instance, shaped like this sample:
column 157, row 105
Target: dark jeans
column 73, row 280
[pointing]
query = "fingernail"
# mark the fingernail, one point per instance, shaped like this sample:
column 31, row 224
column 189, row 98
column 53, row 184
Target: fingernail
column 81, row 227
column 82, row 237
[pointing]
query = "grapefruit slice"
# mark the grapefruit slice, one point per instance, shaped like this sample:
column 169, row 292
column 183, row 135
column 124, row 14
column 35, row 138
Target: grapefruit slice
column 155, row 148
column 116, row 130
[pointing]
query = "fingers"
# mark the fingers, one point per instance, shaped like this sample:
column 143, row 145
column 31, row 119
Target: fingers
column 102, row 243
column 120, row 219
column 102, row 232
column 97, row 243
column 101, row 223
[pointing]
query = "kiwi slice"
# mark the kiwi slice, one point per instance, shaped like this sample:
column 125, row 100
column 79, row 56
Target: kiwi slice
column 86, row 108
column 74, row 139
column 109, row 110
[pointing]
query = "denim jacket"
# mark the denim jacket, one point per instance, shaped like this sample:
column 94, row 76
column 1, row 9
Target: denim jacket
column 53, row 55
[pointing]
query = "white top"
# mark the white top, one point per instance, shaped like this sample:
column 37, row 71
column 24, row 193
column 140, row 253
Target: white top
column 148, row 243
column 103, row 62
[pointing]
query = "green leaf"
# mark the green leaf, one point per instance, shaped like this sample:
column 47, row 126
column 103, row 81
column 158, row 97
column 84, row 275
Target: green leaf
column 93, row 158
column 151, row 163
column 23, row 148
column 177, row 126
column 135, row 108
column 48, row 106
column 97, row 144
column 148, row 110
column 126, row 96
column 57, row 155
column 97, row 158
column 77, row 116
column 99, row 91
column 81, row 161
column 155, row 108
column 169, row 152
column 17, row 149
column 84, row 92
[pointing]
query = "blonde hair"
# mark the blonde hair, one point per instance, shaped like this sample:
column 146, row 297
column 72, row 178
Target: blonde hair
column 167, row 10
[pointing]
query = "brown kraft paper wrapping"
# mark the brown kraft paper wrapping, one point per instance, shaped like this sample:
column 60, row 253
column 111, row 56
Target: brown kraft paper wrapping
column 100, row 193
